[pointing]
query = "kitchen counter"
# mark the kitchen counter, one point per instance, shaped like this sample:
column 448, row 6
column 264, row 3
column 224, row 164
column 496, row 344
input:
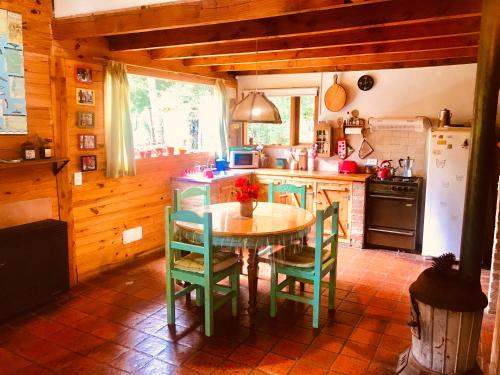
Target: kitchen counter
column 325, row 175
column 218, row 176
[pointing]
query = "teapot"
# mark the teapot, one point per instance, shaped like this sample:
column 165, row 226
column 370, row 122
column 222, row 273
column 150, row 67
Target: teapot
column 385, row 170
column 444, row 117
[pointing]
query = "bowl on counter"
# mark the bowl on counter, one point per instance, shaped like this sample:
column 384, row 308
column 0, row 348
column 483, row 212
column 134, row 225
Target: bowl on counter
column 348, row 166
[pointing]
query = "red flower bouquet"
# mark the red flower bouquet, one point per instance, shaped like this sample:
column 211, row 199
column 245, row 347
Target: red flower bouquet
column 245, row 191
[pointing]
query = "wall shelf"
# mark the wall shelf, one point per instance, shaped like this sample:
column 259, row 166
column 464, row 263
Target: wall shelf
column 58, row 163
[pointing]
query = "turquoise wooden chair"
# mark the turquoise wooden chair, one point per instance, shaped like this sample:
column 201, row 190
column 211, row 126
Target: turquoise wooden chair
column 299, row 190
column 203, row 268
column 309, row 265
column 180, row 195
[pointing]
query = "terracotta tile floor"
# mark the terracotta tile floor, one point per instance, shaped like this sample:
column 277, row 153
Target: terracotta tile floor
column 116, row 323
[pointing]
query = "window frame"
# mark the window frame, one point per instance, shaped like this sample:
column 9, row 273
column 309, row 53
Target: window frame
column 294, row 124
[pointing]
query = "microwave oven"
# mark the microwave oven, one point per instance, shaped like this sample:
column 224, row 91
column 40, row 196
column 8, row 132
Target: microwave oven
column 243, row 159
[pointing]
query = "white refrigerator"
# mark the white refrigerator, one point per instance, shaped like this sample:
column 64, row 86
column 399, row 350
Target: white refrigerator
column 447, row 160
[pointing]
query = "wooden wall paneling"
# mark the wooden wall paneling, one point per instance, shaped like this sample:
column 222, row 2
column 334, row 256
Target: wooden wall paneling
column 102, row 207
column 25, row 184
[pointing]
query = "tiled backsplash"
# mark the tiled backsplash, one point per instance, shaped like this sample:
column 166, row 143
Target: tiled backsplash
column 393, row 145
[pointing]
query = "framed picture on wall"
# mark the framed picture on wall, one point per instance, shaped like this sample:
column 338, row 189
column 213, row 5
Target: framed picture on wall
column 87, row 142
column 88, row 163
column 83, row 74
column 85, row 96
column 85, row 119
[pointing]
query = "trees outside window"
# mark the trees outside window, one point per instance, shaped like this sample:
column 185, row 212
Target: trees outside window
column 169, row 113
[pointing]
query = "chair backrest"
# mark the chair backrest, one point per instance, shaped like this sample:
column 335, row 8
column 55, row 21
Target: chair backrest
column 172, row 244
column 180, row 195
column 300, row 190
column 321, row 217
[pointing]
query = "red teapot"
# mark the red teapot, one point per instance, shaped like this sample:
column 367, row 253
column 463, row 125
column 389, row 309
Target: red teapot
column 385, row 170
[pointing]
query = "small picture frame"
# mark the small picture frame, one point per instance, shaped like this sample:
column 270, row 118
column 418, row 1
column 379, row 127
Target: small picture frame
column 85, row 120
column 85, row 96
column 88, row 163
column 87, row 142
column 83, row 74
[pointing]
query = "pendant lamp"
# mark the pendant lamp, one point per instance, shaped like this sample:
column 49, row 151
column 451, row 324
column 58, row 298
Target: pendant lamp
column 256, row 107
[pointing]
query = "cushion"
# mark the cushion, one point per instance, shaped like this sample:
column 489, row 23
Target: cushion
column 299, row 256
column 194, row 262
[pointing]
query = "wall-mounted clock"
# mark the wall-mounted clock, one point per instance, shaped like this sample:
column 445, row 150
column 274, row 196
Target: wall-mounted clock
column 365, row 82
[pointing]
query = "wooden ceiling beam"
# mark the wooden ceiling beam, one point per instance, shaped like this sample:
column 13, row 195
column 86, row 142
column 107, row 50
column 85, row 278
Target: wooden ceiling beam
column 359, row 49
column 362, row 15
column 370, row 66
column 184, row 14
column 353, row 60
column 328, row 39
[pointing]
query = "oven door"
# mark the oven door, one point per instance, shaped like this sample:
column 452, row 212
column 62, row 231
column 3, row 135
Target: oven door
column 392, row 212
column 391, row 221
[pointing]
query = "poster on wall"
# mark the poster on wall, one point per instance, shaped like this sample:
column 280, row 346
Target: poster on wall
column 12, row 92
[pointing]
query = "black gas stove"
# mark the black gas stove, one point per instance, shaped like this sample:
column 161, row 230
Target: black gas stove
column 393, row 213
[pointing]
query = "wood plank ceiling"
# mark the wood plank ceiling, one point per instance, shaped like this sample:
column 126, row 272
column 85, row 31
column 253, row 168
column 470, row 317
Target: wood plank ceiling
column 290, row 36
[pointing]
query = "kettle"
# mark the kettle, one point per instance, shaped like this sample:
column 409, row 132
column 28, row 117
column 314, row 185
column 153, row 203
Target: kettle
column 444, row 117
column 407, row 165
column 385, row 170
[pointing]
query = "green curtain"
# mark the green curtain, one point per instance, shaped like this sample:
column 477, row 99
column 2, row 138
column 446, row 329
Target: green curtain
column 117, row 124
column 222, row 104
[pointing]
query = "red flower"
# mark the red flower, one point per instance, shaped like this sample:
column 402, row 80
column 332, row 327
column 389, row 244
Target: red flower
column 245, row 191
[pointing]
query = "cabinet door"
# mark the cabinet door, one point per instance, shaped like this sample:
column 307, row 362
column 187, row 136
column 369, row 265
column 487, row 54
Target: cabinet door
column 263, row 182
column 225, row 191
column 326, row 194
column 309, row 193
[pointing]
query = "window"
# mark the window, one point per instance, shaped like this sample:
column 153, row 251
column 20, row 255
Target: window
column 298, row 114
column 168, row 113
column 272, row 134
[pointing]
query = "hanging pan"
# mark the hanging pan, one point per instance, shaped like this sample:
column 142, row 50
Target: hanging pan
column 335, row 96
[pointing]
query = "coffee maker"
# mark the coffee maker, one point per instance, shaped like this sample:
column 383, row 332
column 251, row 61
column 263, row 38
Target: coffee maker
column 407, row 165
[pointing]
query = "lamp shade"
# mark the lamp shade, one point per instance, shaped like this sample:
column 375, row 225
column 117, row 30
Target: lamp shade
column 256, row 108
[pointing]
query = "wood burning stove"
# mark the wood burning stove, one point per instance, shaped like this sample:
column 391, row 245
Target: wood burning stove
column 446, row 317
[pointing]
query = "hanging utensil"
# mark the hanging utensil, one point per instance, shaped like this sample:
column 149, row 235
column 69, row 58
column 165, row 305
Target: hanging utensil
column 335, row 96
column 365, row 149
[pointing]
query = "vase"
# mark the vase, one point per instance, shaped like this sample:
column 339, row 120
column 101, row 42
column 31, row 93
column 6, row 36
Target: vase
column 247, row 208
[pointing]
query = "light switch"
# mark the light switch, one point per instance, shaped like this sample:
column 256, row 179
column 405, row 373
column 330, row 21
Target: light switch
column 78, row 178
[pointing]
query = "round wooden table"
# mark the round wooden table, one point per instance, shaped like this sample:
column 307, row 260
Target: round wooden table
column 271, row 224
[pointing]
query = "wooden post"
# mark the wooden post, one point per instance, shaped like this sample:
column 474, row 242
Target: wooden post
column 61, row 142
column 479, row 177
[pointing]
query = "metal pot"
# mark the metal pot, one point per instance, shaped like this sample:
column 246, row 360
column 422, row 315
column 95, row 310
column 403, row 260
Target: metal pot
column 385, row 170
column 444, row 117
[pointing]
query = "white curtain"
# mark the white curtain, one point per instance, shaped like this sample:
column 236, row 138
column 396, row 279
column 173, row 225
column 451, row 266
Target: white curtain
column 214, row 120
column 118, row 127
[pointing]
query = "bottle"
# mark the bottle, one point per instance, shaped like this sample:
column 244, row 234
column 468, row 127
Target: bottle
column 45, row 148
column 28, row 151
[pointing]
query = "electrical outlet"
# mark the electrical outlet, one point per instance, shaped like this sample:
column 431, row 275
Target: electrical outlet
column 132, row 235
column 78, row 179
column 371, row 162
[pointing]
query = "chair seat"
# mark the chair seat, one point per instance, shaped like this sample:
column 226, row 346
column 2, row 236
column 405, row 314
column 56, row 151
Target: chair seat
column 194, row 262
column 298, row 256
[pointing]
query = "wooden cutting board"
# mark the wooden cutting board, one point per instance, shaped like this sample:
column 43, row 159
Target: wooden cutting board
column 335, row 96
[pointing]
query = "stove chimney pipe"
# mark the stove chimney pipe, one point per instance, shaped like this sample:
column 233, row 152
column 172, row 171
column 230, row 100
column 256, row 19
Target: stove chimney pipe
column 475, row 230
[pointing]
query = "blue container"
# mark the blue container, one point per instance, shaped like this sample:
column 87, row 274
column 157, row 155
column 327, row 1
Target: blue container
column 221, row 164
